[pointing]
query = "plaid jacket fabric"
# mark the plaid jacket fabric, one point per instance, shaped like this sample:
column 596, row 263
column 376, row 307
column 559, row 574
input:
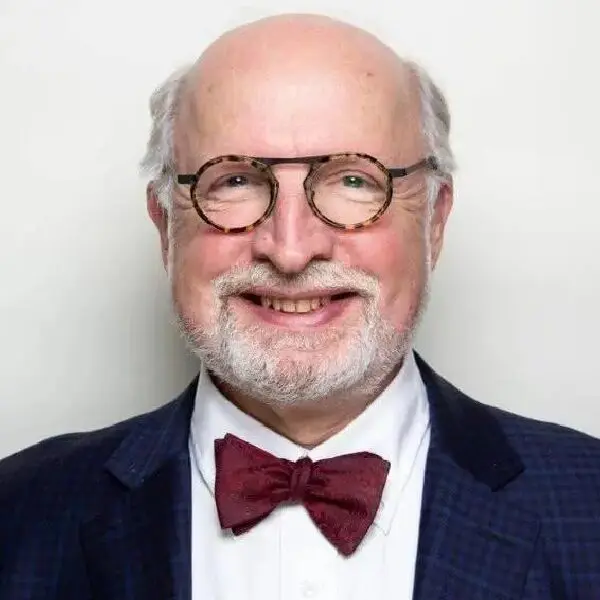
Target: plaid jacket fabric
column 511, row 509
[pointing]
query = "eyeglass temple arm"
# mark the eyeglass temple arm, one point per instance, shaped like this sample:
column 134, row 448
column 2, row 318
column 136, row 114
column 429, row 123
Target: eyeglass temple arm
column 430, row 163
column 187, row 179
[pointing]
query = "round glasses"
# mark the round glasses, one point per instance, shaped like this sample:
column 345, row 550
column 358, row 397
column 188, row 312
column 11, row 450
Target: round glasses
column 237, row 193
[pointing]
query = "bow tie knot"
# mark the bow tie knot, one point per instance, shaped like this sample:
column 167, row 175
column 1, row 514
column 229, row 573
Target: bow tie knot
column 300, row 477
column 341, row 494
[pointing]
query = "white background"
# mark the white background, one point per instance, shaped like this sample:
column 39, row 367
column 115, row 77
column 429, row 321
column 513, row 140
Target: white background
column 85, row 333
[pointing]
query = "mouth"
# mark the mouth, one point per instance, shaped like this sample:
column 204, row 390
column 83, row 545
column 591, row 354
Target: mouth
column 297, row 305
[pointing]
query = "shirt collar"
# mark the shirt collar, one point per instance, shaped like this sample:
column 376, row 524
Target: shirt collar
column 393, row 426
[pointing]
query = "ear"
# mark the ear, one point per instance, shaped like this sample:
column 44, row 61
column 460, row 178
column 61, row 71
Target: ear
column 439, row 218
column 160, row 218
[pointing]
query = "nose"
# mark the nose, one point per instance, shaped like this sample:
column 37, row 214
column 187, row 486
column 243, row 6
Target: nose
column 293, row 235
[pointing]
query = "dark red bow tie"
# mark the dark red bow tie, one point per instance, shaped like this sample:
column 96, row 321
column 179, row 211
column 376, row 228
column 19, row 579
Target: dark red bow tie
column 341, row 494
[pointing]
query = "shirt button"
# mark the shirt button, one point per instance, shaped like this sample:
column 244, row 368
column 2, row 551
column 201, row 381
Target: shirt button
column 309, row 590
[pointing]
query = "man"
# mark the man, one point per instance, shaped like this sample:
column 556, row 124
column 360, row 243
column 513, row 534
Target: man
column 301, row 181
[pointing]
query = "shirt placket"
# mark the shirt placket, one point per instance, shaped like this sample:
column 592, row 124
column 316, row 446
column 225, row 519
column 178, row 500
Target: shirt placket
column 308, row 561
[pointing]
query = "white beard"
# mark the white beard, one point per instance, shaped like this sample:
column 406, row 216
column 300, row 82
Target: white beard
column 302, row 368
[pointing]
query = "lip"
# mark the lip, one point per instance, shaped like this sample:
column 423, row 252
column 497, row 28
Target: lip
column 297, row 321
column 297, row 295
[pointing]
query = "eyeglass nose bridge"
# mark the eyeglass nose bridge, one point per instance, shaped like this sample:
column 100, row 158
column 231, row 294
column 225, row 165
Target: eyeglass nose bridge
column 313, row 163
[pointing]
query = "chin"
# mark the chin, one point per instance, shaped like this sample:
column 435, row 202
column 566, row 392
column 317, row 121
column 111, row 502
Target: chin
column 295, row 370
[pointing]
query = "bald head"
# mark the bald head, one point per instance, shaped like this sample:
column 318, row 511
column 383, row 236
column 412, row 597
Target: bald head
column 294, row 85
column 303, row 43
column 299, row 85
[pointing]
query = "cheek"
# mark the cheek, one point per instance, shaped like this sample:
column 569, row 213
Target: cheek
column 198, row 257
column 397, row 257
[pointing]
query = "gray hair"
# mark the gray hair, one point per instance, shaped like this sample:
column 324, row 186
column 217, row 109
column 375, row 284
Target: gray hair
column 435, row 127
column 158, row 162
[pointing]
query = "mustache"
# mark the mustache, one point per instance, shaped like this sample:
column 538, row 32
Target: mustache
column 326, row 276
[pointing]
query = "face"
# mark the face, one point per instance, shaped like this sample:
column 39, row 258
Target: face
column 296, row 311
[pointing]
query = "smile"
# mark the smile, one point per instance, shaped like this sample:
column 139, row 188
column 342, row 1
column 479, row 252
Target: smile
column 295, row 305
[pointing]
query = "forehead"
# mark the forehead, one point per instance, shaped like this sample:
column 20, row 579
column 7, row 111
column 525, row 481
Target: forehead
column 290, row 108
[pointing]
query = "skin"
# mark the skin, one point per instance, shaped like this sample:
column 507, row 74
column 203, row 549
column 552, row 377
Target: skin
column 297, row 86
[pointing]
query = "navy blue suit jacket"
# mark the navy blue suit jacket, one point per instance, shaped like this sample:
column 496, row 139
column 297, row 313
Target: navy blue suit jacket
column 511, row 509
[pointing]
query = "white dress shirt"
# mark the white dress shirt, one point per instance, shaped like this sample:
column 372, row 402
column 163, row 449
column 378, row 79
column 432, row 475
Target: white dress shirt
column 285, row 556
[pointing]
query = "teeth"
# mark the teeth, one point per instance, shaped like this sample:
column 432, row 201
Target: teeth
column 304, row 306
column 287, row 305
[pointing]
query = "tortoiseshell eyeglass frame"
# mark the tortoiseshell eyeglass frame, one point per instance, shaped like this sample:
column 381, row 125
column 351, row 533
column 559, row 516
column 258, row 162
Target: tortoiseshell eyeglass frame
column 264, row 165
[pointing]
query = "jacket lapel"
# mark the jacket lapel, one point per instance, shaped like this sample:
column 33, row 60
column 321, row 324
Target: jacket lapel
column 473, row 543
column 138, row 546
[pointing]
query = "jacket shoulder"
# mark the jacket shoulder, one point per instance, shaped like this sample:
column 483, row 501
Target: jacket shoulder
column 54, row 458
column 65, row 462
column 541, row 445
column 48, row 491
column 553, row 450
column 560, row 477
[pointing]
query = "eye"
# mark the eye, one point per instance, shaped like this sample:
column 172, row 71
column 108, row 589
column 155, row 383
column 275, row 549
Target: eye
column 236, row 180
column 354, row 181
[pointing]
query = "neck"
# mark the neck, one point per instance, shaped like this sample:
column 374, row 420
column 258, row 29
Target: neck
column 308, row 425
